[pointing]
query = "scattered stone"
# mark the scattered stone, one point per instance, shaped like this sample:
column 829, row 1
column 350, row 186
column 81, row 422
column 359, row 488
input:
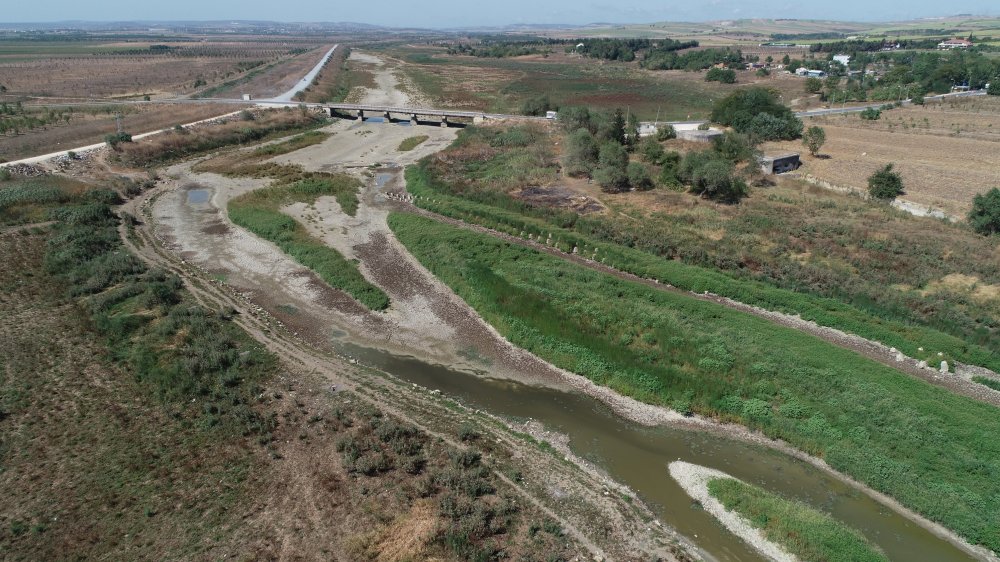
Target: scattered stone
column 944, row 366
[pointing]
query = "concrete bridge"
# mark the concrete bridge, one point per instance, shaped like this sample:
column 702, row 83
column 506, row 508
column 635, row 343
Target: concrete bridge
column 415, row 115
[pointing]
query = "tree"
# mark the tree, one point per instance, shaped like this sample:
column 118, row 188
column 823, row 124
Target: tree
column 114, row 139
column 813, row 138
column 3, row 89
column 786, row 60
column 668, row 170
column 994, row 89
column 612, row 163
column 537, row 105
column 612, row 155
column 766, row 127
column 581, row 153
column 638, row 176
column 666, row 132
column 614, row 128
column 611, row 180
column 735, row 147
column 813, row 85
column 724, row 75
column 716, row 180
column 885, row 184
column 651, row 150
column 632, row 131
column 985, row 214
column 758, row 111
column 871, row 114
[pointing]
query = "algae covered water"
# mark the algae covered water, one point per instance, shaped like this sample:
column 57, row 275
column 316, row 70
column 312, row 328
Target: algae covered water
column 638, row 457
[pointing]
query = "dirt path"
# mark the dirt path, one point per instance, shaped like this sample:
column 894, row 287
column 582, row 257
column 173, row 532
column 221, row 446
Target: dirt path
column 388, row 91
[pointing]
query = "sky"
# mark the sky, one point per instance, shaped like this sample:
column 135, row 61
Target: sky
column 472, row 13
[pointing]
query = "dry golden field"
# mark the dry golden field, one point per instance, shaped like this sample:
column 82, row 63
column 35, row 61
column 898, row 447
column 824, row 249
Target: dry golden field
column 946, row 152
column 179, row 66
column 85, row 127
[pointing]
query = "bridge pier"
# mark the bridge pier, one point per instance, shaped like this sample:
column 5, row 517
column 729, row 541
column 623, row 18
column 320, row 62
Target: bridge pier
column 444, row 121
column 387, row 117
column 413, row 120
column 361, row 115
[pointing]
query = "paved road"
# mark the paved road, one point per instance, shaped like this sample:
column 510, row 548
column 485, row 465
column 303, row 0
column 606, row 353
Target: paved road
column 304, row 83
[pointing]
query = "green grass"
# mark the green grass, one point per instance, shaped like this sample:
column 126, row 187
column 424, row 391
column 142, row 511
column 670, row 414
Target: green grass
column 510, row 82
column 992, row 383
column 936, row 452
column 800, row 529
column 410, row 143
column 297, row 142
column 850, row 279
column 258, row 212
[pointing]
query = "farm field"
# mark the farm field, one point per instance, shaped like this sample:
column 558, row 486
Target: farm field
column 923, row 143
column 90, row 125
column 159, row 66
column 502, row 85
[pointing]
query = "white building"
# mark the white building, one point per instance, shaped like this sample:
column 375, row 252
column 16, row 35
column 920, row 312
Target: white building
column 842, row 59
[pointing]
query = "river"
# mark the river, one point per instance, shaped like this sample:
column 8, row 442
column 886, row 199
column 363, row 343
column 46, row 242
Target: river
column 638, row 456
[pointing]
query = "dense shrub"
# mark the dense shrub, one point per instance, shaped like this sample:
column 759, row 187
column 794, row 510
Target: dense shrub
column 724, row 75
column 638, row 176
column 871, row 114
column 985, row 213
column 885, row 184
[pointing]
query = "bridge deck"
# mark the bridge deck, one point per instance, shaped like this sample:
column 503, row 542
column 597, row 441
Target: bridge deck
column 421, row 111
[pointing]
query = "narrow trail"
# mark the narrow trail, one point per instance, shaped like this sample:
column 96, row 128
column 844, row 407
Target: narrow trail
column 867, row 348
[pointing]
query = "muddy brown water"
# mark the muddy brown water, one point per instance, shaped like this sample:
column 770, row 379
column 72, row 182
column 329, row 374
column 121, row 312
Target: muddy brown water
column 638, row 456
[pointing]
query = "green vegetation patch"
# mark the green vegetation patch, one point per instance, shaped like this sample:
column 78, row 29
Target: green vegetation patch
column 258, row 212
column 936, row 452
column 992, row 383
column 297, row 142
column 787, row 251
column 410, row 143
column 803, row 531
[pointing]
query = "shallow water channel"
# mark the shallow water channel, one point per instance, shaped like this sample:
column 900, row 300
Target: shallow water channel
column 638, row 456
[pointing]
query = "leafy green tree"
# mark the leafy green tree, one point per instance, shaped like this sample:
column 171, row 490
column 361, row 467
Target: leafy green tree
column 985, row 214
column 813, row 85
column 786, row 60
column 668, row 170
column 537, row 105
column 885, row 184
column 611, row 172
column 757, row 111
column 575, row 117
column 581, row 153
column 716, row 180
column 724, row 75
column 612, row 155
column 994, row 89
column 813, row 138
column 735, row 147
column 614, row 128
column 665, row 132
column 651, row 150
column 638, row 176
column 632, row 131
column 611, row 180
column 766, row 127
column 871, row 114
